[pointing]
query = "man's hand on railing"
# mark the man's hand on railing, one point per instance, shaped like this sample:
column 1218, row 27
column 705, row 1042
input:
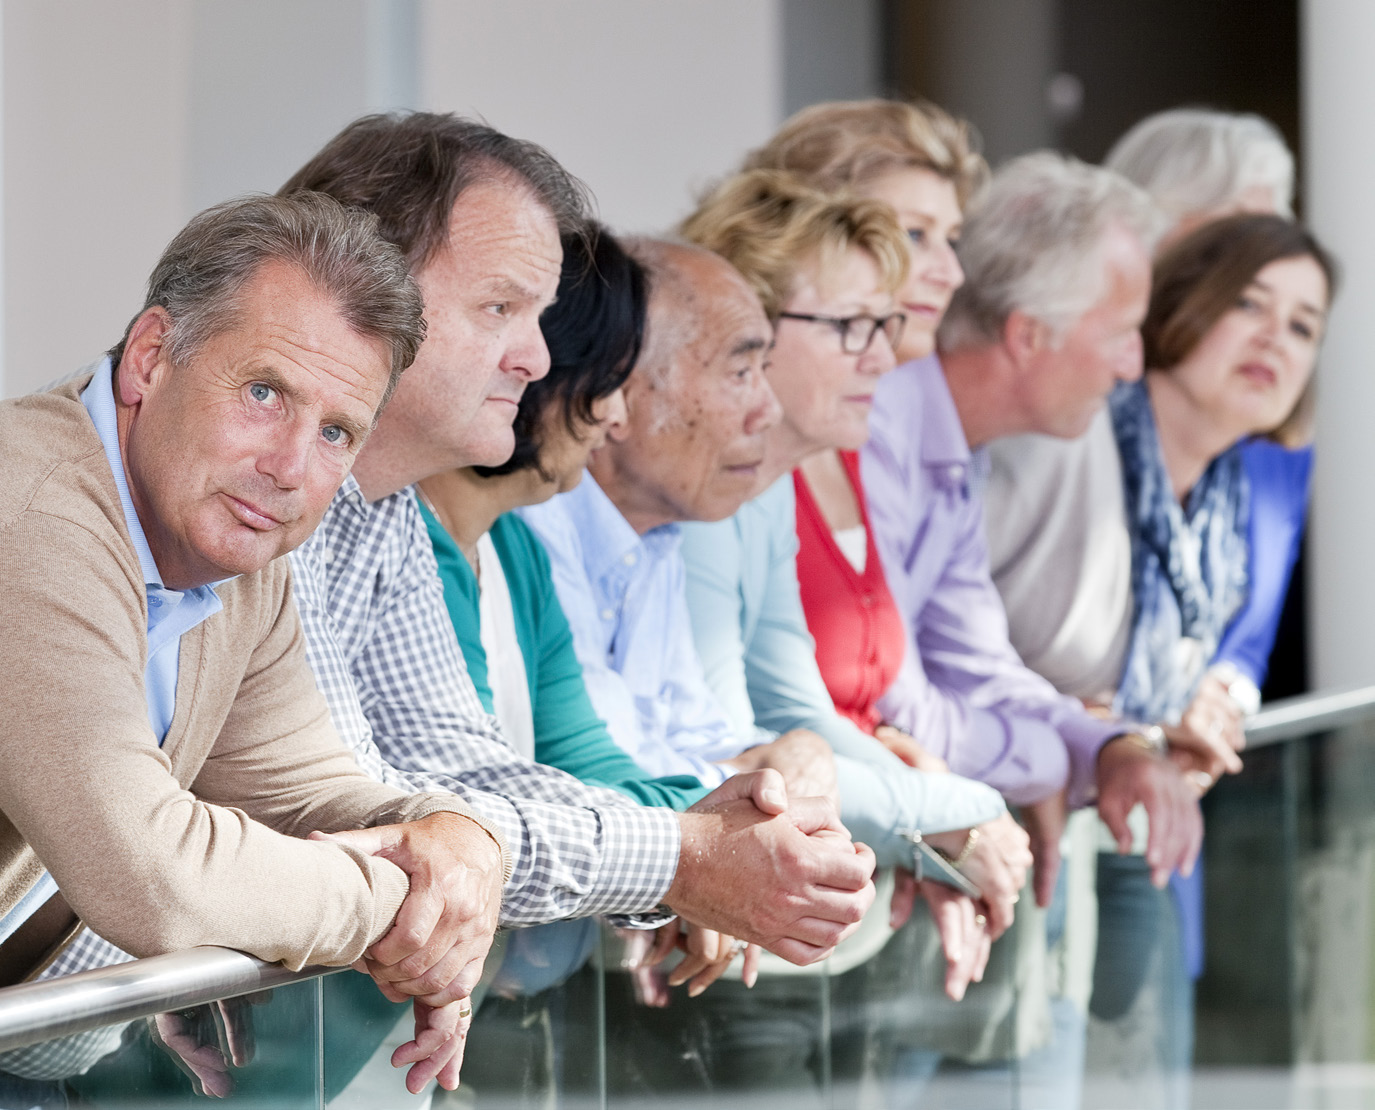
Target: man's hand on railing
column 775, row 872
column 441, row 1035
column 436, row 947
column 1128, row 773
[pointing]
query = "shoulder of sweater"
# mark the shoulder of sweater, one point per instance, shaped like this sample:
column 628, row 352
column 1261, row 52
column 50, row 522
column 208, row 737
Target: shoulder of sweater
column 54, row 462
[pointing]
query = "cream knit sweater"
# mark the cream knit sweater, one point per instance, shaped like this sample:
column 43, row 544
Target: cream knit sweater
column 196, row 841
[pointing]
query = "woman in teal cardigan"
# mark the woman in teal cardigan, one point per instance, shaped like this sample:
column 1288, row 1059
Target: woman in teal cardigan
column 594, row 331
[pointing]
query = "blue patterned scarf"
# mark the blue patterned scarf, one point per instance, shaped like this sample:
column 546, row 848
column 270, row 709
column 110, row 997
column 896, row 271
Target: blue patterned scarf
column 1189, row 563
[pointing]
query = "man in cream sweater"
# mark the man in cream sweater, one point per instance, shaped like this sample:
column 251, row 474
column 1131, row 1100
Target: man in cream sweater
column 155, row 672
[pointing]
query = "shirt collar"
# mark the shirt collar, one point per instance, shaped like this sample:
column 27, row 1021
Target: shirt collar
column 99, row 399
column 616, row 544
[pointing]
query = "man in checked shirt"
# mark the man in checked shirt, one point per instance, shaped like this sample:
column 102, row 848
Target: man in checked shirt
column 478, row 215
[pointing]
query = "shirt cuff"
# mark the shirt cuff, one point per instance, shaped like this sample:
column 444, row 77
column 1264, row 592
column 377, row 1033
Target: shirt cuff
column 1084, row 736
column 639, row 858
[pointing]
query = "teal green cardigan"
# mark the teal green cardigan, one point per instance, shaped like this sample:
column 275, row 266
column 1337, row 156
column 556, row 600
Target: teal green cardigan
column 568, row 733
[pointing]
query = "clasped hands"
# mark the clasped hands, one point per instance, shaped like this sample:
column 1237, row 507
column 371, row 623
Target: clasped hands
column 434, row 952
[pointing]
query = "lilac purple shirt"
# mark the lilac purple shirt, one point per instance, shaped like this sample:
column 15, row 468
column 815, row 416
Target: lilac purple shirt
column 962, row 693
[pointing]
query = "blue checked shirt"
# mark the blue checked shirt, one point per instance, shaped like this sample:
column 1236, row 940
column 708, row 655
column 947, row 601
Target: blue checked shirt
column 387, row 660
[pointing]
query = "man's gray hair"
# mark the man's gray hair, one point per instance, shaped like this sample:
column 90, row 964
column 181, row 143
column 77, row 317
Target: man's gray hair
column 200, row 275
column 1033, row 243
column 1193, row 161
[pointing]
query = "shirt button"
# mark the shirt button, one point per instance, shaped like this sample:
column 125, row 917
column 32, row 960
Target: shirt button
column 608, row 614
column 328, row 555
column 630, row 559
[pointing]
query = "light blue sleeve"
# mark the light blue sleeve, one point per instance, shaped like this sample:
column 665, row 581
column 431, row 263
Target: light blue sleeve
column 759, row 657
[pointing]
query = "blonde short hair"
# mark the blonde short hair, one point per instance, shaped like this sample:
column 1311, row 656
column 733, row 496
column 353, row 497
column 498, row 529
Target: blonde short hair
column 770, row 225
column 848, row 143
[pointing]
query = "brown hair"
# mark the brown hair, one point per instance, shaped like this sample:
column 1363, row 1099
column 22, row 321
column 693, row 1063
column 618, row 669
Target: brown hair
column 849, row 143
column 409, row 168
column 1198, row 280
column 769, row 225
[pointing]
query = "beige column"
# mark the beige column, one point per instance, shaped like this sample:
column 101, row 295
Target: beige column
column 1338, row 187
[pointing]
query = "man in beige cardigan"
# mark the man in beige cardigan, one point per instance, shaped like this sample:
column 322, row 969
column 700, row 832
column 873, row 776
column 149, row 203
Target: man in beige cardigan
column 166, row 751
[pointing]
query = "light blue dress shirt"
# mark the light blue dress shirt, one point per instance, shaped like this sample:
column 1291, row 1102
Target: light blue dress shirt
column 624, row 598
column 170, row 612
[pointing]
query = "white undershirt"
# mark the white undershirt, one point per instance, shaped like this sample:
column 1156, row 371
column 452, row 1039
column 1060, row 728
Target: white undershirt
column 505, row 663
column 854, row 545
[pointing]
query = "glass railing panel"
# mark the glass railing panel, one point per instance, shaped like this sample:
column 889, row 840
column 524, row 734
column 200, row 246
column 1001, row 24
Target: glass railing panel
column 1276, row 1006
column 260, row 1051
column 1014, row 1041
column 536, row 1041
column 730, row 1047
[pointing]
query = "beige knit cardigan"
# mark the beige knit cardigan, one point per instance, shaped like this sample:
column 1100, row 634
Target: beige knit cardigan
column 196, row 841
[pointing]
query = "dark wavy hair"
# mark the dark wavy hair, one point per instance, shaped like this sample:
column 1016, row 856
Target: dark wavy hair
column 595, row 329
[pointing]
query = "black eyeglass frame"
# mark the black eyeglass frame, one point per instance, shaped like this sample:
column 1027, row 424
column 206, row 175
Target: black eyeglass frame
column 845, row 326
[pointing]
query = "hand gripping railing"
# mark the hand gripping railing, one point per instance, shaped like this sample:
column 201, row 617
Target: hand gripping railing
column 35, row 1012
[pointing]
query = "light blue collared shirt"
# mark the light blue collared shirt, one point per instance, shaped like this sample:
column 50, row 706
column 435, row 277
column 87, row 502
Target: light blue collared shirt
column 624, row 598
column 170, row 612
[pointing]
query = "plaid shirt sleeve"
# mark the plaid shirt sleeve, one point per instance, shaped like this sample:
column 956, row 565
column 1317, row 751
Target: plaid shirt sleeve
column 387, row 660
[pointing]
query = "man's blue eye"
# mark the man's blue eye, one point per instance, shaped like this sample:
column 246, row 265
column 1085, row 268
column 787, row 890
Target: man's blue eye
column 333, row 433
column 260, row 392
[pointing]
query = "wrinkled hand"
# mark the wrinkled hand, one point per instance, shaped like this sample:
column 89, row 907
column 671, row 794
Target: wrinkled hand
column 1128, row 774
column 436, row 947
column 788, row 879
column 206, row 1041
column 803, row 758
column 909, row 751
column 441, row 1035
column 706, row 955
column 964, row 939
column 1045, row 825
column 997, row 865
column 1205, row 743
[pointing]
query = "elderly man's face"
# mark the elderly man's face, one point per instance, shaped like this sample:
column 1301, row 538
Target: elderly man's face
column 233, row 458
column 484, row 291
column 1068, row 383
column 692, row 447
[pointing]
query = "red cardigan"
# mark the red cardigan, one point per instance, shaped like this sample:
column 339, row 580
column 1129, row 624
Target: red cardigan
column 859, row 633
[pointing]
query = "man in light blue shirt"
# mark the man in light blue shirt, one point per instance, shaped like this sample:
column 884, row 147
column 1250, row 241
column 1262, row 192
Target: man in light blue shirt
column 692, row 448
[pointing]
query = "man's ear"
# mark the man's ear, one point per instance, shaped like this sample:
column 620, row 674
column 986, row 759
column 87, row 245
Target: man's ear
column 144, row 355
column 1024, row 337
column 633, row 393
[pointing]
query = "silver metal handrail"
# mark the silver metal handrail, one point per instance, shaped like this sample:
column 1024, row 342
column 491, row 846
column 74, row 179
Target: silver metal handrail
column 1293, row 718
column 34, row 1012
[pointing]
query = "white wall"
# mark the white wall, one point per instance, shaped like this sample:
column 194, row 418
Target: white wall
column 646, row 102
column 121, row 120
column 1339, row 160
column 93, row 171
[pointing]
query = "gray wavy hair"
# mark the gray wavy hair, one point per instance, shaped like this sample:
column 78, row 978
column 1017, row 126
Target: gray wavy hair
column 1032, row 242
column 201, row 273
column 1193, row 160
